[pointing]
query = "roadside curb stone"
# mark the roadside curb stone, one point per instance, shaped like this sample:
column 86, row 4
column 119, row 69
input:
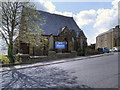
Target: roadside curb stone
column 25, row 66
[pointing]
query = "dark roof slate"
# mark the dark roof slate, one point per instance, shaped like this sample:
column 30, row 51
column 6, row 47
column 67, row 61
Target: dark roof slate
column 81, row 33
column 55, row 22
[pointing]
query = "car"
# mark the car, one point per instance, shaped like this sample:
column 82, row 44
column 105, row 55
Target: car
column 115, row 49
column 106, row 50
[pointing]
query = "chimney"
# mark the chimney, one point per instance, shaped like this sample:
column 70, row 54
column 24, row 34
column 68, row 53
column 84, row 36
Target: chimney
column 117, row 27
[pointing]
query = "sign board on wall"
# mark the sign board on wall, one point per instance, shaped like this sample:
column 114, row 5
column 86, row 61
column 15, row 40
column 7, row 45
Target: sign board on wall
column 60, row 45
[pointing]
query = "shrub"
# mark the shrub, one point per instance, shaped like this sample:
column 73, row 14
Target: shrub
column 80, row 53
column 4, row 59
column 92, row 52
column 17, row 58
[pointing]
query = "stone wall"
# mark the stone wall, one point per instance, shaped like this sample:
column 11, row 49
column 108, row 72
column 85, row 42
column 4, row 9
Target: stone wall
column 52, row 55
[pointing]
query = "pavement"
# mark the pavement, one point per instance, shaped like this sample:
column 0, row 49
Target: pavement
column 24, row 66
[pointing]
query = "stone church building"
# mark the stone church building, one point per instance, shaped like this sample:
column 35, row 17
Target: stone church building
column 58, row 28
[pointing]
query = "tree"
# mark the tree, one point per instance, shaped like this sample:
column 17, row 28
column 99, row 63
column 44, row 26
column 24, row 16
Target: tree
column 17, row 16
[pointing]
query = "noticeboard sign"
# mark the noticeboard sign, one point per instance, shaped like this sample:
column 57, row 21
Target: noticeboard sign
column 60, row 45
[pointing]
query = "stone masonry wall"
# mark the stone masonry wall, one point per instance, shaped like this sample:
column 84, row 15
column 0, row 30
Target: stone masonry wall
column 52, row 55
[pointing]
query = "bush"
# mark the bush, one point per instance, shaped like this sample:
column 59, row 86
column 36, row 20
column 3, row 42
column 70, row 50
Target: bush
column 4, row 59
column 92, row 52
column 80, row 53
column 17, row 58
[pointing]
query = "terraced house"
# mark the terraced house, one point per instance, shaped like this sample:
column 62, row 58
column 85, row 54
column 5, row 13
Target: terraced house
column 109, row 39
column 58, row 29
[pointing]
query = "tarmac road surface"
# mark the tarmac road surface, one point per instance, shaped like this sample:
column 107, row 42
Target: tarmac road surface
column 100, row 72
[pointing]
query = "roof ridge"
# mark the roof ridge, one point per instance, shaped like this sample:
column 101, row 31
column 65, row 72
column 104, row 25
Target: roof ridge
column 56, row 21
column 52, row 13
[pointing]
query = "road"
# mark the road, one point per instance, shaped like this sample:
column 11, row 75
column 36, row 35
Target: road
column 100, row 72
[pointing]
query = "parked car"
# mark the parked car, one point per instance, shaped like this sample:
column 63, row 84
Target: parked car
column 105, row 50
column 115, row 49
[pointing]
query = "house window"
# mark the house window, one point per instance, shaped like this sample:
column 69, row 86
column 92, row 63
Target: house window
column 101, row 43
column 105, row 44
column 77, row 34
column 115, row 34
column 79, row 44
column 72, row 39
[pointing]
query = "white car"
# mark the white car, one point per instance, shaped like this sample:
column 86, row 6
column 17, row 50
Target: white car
column 114, row 49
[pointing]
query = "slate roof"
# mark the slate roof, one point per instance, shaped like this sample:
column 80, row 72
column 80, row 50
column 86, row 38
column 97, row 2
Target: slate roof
column 81, row 33
column 55, row 22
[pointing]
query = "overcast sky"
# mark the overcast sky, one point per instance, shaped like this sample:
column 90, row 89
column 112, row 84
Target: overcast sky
column 92, row 17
